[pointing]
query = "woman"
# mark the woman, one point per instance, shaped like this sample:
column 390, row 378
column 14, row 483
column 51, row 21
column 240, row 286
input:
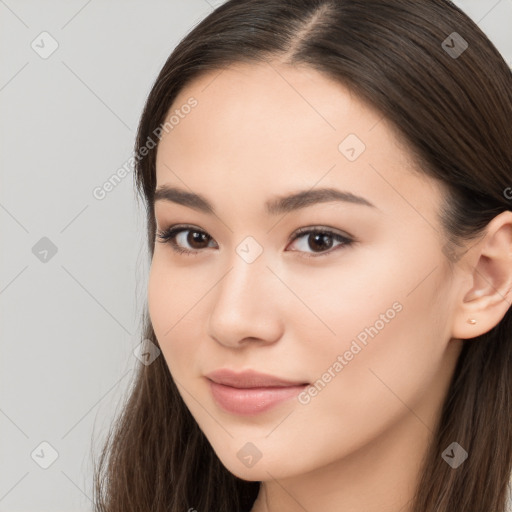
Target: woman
column 328, row 191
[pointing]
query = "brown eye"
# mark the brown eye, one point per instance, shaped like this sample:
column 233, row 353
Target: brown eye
column 320, row 241
column 178, row 239
column 196, row 239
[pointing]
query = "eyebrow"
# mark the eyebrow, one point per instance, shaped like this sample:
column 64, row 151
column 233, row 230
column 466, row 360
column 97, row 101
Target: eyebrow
column 275, row 206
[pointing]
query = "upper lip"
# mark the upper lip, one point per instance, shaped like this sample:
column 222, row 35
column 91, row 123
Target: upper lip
column 249, row 379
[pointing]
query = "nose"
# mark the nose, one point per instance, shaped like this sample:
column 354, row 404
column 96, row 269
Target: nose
column 246, row 305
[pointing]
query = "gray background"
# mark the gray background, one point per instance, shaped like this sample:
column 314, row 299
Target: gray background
column 71, row 319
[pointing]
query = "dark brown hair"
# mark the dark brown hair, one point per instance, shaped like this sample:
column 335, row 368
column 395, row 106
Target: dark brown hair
column 453, row 113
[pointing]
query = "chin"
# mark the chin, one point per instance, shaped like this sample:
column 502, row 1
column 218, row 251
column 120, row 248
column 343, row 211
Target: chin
column 262, row 469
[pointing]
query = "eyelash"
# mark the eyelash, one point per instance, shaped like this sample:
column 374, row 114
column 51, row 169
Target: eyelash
column 167, row 236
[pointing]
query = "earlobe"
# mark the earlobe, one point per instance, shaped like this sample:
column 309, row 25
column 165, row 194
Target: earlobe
column 489, row 297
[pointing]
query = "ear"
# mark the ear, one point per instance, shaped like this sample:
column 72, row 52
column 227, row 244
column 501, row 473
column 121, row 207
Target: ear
column 486, row 294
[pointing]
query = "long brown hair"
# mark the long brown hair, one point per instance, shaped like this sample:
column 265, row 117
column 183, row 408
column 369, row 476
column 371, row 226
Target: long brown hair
column 453, row 112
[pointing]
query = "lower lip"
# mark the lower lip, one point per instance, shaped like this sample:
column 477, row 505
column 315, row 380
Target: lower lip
column 251, row 401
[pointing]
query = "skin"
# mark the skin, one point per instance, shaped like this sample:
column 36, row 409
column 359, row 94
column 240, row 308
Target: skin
column 265, row 130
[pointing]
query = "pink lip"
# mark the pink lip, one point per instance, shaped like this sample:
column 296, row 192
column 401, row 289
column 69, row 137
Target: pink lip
column 250, row 392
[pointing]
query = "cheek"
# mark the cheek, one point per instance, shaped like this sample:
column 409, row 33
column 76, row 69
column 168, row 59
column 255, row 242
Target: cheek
column 386, row 318
column 172, row 307
column 163, row 303
column 386, row 360
column 159, row 294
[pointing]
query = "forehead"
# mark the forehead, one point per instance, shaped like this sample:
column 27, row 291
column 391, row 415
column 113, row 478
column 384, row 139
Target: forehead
column 268, row 127
column 272, row 102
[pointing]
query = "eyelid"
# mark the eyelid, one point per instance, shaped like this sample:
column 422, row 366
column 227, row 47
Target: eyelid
column 319, row 228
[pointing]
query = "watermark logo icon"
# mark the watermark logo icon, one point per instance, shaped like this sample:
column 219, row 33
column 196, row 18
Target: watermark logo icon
column 249, row 454
column 44, row 250
column 146, row 352
column 454, row 45
column 454, row 455
column 44, row 455
column 249, row 249
column 351, row 147
column 44, row 45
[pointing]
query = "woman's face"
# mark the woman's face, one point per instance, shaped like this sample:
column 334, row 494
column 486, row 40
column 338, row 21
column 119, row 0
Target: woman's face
column 365, row 318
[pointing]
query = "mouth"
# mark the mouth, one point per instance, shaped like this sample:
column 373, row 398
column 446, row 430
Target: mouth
column 250, row 392
column 250, row 401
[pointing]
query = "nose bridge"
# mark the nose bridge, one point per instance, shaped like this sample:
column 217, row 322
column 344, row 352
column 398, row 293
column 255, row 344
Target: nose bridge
column 245, row 281
column 244, row 303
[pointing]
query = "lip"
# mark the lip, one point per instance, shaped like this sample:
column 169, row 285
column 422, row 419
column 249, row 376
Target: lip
column 250, row 392
column 250, row 379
